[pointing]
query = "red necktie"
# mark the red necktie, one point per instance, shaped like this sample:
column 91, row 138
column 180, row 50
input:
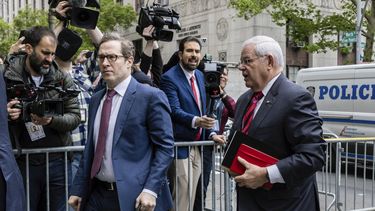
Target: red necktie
column 246, row 121
column 104, row 121
column 192, row 79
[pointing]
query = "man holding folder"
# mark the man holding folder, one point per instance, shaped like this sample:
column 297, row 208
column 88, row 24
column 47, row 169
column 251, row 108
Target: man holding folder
column 284, row 115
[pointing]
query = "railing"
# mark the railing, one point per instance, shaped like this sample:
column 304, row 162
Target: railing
column 346, row 182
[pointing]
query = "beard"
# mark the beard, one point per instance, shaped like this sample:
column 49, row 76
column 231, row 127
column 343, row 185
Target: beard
column 37, row 65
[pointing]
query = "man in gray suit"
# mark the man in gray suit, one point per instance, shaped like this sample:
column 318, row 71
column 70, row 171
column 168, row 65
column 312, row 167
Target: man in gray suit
column 283, row 114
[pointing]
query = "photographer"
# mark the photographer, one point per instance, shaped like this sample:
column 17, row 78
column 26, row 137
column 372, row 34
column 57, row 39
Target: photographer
column 36, row 68
column 151, row 61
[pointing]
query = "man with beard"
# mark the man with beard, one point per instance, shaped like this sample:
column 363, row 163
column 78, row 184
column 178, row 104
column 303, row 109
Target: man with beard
column 184, row 86
column 36, row 68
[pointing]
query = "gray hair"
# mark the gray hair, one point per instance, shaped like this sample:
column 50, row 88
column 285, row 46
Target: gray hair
column 127, row 47
column 266, row 45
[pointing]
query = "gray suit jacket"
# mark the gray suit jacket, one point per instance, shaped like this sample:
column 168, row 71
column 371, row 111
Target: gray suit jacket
column 287, row 119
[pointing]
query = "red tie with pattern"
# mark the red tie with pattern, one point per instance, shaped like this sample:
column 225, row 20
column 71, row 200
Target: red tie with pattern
column 246, row 121
column 104, row 121
column 192, row 79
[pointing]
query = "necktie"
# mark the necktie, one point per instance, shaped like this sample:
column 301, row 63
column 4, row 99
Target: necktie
column 246, row 122
column 104, row 121
column 192, row 79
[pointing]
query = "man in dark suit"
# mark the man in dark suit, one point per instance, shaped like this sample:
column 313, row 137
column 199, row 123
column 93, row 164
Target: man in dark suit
column 283, row 114
column 184, row 86
column 130, row 131
column 12, row 193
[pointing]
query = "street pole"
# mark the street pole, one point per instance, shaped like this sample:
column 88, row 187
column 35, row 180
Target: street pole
column 358, row 33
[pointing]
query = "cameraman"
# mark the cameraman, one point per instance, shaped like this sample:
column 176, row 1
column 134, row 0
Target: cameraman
column 151, row 61
column 36, row 68
column 95, row 35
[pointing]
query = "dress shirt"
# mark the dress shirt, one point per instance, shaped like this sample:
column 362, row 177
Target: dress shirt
column 106, row 172
column 273, row 172
column 188, row 75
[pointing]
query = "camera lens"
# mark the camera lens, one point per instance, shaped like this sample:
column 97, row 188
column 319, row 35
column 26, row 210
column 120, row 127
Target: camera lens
column 83, row 16
column 211, row 78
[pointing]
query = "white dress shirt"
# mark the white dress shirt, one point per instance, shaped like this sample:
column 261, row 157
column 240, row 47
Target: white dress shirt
column 273, row 172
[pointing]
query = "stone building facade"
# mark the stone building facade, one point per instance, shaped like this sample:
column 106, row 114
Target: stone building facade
column 221, row 30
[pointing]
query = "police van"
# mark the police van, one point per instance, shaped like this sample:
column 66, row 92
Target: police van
column 345, row 97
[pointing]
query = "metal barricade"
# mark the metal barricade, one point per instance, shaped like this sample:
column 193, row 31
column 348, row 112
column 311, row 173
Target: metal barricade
column 347, row 180
column 221, row 189
column 47, row 152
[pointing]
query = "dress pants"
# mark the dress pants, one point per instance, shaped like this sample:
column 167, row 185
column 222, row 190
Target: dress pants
column 207, row 168
column 102, row 198
column 184, row 175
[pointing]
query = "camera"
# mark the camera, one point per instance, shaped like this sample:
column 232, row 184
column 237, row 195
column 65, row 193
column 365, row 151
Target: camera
column 212, row 73
column 81, row 16
column 33, row 100
column 158, row 17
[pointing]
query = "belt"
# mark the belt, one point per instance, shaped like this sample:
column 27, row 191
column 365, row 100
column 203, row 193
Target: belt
column 110, row 186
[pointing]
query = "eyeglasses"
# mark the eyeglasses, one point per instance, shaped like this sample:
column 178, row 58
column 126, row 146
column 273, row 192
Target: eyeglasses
column 248, row 61
column 110, row 57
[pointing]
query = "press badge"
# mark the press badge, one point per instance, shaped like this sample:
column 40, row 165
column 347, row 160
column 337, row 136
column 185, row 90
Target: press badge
column 216, row 126
column 83, row 115
column 36, row 132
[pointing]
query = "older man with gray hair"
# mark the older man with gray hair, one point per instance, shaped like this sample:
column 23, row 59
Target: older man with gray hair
column 282, row 114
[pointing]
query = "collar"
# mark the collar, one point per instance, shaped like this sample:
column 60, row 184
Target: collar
column 188, row 74
column 122, row 86
column 270, row 84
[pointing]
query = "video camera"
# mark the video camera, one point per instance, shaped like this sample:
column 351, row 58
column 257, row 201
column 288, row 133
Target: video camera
column 212, row 73
column 80, row 15
column 158, row 16
column 33, row 100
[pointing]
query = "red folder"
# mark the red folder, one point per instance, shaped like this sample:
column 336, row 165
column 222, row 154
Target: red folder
column 253, row 151
column 252, row 156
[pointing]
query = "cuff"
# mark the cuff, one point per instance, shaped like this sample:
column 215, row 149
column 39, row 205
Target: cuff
column 274, row 174
column 193, row 122
column 150, row 192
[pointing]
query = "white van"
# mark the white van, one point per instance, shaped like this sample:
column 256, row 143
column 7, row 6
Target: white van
column 345, row 97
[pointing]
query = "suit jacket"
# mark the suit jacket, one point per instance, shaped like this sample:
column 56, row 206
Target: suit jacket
column 183, row 105
column 15, row 193
column 142, row 147
column 287, row 119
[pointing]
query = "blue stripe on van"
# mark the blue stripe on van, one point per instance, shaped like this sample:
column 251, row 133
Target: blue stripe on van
column 358, row 121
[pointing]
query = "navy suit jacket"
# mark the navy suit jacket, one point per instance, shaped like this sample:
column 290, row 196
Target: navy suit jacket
column 15, row 193
column 287, row 119
column 142, row 147
column 184, row 107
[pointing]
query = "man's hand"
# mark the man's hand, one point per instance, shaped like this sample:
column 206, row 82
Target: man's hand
column 40, row 120
column 147, row 32
column 81, row 58
column 75, row 202
column 17, row 47
column 62, row 8
column 13, row 112
column 220, row 139
column 254, row 176
column 145, row 202
column 205, row 122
